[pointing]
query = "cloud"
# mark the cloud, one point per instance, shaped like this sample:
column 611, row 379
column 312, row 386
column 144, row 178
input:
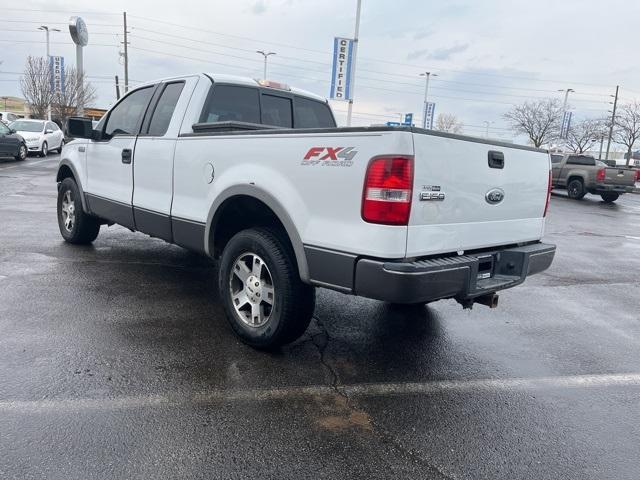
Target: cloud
column 259, row 7
column 437, row 54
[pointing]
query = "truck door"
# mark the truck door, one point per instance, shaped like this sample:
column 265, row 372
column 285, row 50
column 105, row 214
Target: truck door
column 153, row 165
column 109, row 186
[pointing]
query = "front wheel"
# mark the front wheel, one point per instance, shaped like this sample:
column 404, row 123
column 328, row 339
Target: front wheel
column 265, row 301
column 575, row 189
column 610, row 197
column 59, row 149
column 45, row 150
column 22, row 152
column 75, row 225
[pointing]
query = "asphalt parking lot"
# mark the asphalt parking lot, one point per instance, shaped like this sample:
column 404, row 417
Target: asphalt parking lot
column 116, row 362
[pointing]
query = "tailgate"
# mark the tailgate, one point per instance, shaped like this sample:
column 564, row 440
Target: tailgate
column 460, row 202
column 620, row 176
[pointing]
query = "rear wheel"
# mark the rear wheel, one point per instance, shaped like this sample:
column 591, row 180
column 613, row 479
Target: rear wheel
column 45, row 150
column 75, row 226
column 265, row 301
column 22, row 152
column 610, row 197
column 575, row 189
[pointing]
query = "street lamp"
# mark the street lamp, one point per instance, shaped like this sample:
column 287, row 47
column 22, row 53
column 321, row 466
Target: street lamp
column 427, row 75
column 486, row 124
column 566, row 97
column 5, row 102
column 46, row 30
column 265, row 55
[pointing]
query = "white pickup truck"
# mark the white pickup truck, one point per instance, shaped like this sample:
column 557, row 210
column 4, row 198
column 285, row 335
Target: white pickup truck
column 256, row 175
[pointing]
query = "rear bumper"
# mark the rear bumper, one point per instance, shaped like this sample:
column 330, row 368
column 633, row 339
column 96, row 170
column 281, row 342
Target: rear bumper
column 613, row 189
column 462, row 277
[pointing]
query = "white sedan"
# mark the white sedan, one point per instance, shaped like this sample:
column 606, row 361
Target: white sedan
column 41, row 136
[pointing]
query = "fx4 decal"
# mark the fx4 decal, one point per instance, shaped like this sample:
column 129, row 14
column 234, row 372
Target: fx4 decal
column 330, row 156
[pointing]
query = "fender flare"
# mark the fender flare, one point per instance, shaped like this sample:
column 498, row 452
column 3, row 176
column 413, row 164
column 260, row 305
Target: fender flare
column 270, row 201
column 67, row 163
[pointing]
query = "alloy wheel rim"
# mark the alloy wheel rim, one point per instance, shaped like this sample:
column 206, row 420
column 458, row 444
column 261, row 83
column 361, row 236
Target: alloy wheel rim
column 45, row 150
column 252, row 290
column 23, row 152
column 68, row 211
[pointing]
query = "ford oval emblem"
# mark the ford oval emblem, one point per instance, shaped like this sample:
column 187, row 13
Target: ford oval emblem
column 494, row 196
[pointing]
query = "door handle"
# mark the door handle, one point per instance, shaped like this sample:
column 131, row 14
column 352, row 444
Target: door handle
column 496, row 159
column 126, row 155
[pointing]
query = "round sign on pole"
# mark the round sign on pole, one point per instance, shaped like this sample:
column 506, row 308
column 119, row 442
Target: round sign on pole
column 79, row 32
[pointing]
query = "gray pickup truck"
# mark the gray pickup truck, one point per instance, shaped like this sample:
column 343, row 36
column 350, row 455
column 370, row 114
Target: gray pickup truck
column 582, row 174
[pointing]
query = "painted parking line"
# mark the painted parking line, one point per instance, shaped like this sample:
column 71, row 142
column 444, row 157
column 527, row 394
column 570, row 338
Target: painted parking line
column 362, row 390
column 27, row 164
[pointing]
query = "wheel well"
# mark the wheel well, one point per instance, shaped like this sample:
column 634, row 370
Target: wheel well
column 575, row 177
column 64, row 172
column 239, row 213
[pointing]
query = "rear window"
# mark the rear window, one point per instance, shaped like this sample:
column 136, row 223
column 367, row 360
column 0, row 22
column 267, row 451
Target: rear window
column 229, row 103
column 276, row 111
column 312, row 114
column 556, row 158
column 581, row 160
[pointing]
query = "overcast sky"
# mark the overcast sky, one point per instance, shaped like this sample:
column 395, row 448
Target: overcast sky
column 488, row 54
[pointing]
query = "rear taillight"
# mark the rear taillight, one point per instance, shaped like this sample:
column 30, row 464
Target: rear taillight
column 637, row 175
column 549, row 188
column 601, row 175
column 386, row 198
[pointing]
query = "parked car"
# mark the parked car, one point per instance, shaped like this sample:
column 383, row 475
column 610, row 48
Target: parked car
column 8, row 117
column 582, row 174
column 11, row 143
column 41, row 136
column 256, row 175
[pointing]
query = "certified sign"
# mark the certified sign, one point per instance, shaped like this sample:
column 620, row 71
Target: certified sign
column 79, row 32
column 341, row 71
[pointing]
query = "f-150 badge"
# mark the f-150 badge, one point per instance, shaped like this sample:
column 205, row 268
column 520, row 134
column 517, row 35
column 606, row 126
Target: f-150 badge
column 330, row 156
column 431, row 193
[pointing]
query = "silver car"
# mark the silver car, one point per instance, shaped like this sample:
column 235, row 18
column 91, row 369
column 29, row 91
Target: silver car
column 41, row 136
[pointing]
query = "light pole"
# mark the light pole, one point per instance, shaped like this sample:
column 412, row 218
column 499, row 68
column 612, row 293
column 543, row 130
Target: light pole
column 46, row 30
column 5, row 102
column 265, row 55
column 566, row 97
column 427, row 75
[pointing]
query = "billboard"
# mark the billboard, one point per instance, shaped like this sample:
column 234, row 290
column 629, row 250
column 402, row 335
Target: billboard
column 56, row 74
column 341, row 72
column 429, row 110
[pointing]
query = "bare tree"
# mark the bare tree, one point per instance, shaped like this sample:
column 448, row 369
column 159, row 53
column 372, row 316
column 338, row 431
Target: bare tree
column 539, row 120
column 447, row 122
column 36, row 86
column 76, row 92
column 627, row 127
column 582, row 135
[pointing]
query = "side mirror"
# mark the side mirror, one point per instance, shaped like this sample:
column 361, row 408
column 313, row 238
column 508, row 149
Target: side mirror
column 80, row 127
column 48, row 131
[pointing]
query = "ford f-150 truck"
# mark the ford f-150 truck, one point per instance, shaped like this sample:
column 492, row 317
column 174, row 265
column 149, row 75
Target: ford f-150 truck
column 256, row 175
column 582, row 174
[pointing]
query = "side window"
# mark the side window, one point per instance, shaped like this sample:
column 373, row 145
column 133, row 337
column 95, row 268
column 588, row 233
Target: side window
column 276, row 111
column 312, row 114
column 164, row 109
column 3, row 129
column 125, row 117
column 51, row 126
column 556, row 158
column 228, row 103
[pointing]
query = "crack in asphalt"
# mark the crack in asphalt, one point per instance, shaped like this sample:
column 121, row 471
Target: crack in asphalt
column 383, row 435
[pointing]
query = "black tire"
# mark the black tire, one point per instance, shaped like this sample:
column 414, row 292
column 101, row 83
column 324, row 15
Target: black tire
column 22, row 152
column 610, row 197
column 45, row 149
column 59, row 149
column 84, row 228
column 575, row 189
column 293, row 301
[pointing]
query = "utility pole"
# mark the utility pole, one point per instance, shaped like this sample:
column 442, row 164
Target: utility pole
column 353, row 62
column 613, row 121
column 126, row 54
column 46, row 30
column 427, row 75
column 117, row 88
column 265, row 55
column 486, row 124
